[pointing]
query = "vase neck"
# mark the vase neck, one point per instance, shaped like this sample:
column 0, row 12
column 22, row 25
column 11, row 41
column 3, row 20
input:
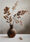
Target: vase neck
column 11, row 26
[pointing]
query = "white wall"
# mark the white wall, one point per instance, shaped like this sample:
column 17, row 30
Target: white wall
column 23, row 4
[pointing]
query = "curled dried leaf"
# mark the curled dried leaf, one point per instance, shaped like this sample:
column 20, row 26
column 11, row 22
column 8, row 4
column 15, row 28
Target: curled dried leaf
column 20, row 38
column 5, row 17
column 8, row 13
column 5, row 10
column 23, row 12
column 19, row 12
column 10, row 19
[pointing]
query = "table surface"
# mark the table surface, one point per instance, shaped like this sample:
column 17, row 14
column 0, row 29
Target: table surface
column 25, row 38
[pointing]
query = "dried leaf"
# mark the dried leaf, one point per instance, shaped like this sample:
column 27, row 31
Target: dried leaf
column 5, row 17
column 10, row 19
column 8, row 13
column 22, row 12
column 18, row 13
column 20, row 38
column 14, row 15
column 17, row 21
column 5, row 10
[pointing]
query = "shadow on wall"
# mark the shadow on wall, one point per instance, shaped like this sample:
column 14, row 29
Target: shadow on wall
column 26, row 30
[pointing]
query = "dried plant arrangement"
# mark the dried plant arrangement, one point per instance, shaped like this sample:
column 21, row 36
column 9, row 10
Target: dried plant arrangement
column 7, row 15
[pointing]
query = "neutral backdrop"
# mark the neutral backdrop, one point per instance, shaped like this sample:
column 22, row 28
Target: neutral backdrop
column 22, row 5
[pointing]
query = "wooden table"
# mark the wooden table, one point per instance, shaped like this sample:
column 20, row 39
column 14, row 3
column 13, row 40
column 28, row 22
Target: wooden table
column 25, row 38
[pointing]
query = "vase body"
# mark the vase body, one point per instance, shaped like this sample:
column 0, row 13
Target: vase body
column 11, row 32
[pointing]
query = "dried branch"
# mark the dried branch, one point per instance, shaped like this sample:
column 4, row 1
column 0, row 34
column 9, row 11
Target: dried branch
column 22, row 12
column 18, row 14
column 15, row 5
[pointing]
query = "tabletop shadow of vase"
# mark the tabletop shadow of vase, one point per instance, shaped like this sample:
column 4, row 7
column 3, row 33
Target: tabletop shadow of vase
column 11, row 32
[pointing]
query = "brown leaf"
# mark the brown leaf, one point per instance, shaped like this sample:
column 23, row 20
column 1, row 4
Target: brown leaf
column 5, row 10
column 10, row 19
column 8, row 13
column 20, row 38
column 22, row 12
column 5, row 17
column 18, row 13
column 14, row 15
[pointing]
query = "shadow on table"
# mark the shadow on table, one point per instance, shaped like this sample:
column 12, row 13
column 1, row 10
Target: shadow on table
column 4, row 37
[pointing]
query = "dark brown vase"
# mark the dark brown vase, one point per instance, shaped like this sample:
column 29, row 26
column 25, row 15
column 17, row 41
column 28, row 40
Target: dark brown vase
column 11, row 32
